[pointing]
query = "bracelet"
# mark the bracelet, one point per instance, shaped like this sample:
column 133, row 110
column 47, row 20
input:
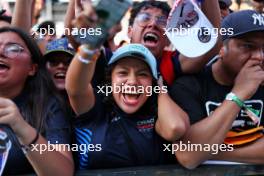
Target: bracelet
column 86, row 55
column 82, row 60
column 26, row 148
column 252, row 113
column 231, row 96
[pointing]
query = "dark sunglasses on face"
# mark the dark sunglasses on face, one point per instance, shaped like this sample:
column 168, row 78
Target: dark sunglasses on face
column 57, row 62
column 12, row 50
column 143, row 19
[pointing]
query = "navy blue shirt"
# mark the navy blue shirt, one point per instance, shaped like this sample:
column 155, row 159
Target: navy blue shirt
column 57, row 130
column 100, row 127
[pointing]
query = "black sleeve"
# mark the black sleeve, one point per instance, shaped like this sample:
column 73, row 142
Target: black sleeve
column 93, row 115
column 58, row 129
column 186, row 92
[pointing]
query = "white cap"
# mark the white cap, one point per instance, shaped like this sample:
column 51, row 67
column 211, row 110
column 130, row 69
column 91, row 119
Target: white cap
column 189, row 30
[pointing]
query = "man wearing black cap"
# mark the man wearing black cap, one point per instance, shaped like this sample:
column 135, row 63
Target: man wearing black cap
column 225, row 101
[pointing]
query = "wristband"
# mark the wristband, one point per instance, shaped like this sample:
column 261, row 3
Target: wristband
column 83, row 60
column 252, row 113
column 86, row 55
column 232, row 97
column 26, row 148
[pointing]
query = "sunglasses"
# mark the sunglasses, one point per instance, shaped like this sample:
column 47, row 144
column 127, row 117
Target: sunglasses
column 56, row 62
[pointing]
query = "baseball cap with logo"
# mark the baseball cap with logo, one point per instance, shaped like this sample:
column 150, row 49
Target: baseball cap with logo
column 137, row 51
column 59, row 45
column 242, row 22
column 189, row 30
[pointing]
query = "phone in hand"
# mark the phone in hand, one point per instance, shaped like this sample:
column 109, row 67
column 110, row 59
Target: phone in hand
column 2, row 11
column 109, row 13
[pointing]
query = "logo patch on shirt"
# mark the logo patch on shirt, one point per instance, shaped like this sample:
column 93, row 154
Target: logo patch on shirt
column 146, row 125
column 242, row 122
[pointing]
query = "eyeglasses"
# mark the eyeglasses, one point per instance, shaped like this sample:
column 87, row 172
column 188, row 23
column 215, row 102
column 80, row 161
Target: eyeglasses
column 56, row 62
column 12, row 50
column 143, row 19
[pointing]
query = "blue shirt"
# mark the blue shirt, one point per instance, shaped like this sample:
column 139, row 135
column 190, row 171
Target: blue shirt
column 100, row 127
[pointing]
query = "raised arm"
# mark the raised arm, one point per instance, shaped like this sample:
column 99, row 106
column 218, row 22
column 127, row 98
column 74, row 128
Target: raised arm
column 22, row 14
column 78, row 81
column 172, row 121
column 81, row 69
column 69, row 17
column 192, row 65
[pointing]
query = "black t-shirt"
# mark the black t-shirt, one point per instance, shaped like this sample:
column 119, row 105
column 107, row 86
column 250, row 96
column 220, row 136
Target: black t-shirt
column 57, row 130
column 199, row 95
column 101, row 127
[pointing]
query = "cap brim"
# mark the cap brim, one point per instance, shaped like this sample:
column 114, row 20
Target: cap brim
column 58, row 51
column 141, row 57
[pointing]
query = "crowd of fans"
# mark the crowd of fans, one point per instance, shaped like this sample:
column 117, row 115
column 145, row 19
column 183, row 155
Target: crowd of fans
column 51, row 90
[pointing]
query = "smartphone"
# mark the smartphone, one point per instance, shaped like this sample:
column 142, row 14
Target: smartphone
column 2, row 11
column 109, row 12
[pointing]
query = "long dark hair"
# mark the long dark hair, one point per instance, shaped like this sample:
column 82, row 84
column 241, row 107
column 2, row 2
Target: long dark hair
column 38, row 88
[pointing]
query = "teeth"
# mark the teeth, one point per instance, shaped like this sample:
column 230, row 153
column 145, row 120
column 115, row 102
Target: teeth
column 60, row 74
column 131, row 92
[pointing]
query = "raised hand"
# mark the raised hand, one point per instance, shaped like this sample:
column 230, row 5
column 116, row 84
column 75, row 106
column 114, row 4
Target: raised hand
column 10, row 115
column 249, row 79
column 85, row 14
